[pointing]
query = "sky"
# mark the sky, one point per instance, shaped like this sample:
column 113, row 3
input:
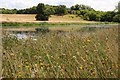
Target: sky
column 102, row 5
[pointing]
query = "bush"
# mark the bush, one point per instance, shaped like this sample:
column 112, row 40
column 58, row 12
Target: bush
column 116, row 18
column 91, row 16
column 108, row 16
column 61, row 10
column 42, row 17
column 41, row 12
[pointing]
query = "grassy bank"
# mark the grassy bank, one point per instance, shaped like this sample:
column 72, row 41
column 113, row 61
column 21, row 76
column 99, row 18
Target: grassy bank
column 78, row 54
column 46, row 24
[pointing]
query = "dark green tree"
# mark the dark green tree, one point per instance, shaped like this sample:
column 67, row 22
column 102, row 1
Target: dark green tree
column 61, row 10
column 91, row 16
column 81, row 7
column 108, row 16
column 116, row 18
column 41, row 12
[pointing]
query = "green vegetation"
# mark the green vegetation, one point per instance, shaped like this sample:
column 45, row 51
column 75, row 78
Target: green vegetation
column 61, row 10
column 46, row 24
column 59, row 54
column 42, row 13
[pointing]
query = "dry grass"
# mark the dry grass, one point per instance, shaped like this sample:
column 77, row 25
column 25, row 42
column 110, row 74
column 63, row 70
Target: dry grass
column 18, row 17
column 31, row 18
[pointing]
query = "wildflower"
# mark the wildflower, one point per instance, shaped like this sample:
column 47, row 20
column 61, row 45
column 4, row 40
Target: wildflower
column 27, row 62
column 12, row 55
column 41, row 64
column 91, row 63
column 93, row 73
column 87, row 51
column 27, row 66
column 63, row 54
column 106, row 38
column 88, row 40
column 83, row 46
column 74, row 56
column 81, row 67
column 36, row 65
column 95, row 50
column 78, row 53
column 20, row 75
column 42, row 68
column 83, row 60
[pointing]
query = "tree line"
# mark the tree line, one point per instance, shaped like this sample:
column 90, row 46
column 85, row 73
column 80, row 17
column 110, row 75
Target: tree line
column 85, row 12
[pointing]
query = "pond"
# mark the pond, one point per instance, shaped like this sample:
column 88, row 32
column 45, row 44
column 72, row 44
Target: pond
column 59, row 30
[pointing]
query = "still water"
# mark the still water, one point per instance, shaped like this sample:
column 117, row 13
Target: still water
column 33, row 35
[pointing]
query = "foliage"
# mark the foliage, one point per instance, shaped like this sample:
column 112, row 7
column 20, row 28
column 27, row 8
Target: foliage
column 31, row 10
column 8, row 11
column 91, row 16
column 108, row 16
column 61, row 10
column 116, row 18
column 81, row 7
column 41, row 12
column 42, row 17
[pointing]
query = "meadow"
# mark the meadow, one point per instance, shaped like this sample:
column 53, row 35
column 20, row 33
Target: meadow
column 80, row 53
column 31, row 18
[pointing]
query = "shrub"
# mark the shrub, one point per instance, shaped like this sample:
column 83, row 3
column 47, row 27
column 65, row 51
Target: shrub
column 116, row 18
column 41, row 12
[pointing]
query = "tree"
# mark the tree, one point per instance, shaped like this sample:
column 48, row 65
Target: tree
column 41, row 12
column 91, row 16
column 81, row 7
column 108, row 16
column 116, row 18
column 61, row 10
column 50, row 10
column 77, row 7
column 118, row 7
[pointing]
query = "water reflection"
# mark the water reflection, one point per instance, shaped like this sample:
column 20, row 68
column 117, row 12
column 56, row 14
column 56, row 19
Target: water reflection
column 21, row 36
column 34, row 34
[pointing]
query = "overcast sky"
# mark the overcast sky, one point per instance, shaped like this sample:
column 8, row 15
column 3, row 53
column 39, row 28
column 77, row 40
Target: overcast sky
column 103, row 5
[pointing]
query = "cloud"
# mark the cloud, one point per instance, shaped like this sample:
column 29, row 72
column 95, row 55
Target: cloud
column 104, row 5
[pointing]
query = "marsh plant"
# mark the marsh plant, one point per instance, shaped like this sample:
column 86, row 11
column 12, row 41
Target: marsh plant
column 71, row 54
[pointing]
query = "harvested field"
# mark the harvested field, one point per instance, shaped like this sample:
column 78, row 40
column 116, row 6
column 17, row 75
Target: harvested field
column 31, row 18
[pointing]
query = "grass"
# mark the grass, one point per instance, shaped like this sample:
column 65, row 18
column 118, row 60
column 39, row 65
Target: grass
column 68, row 17
column 69, row 54
column 46, row 24
column 31, row 18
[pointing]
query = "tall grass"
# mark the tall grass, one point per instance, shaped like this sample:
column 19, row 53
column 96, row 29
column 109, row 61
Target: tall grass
column 76, row 54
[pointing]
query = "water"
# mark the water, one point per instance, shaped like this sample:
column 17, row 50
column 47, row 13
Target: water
column 21, row 36
column 33, row 35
